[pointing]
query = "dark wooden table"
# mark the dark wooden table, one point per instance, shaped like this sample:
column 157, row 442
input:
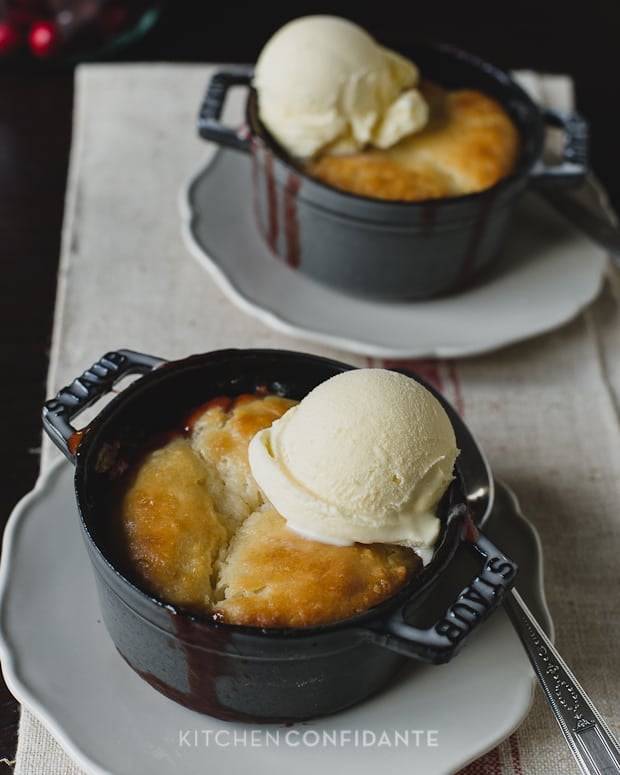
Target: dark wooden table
column 35, row 138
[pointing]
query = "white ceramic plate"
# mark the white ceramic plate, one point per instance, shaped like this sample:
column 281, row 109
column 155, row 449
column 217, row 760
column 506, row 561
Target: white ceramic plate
column 548, row 272
column 59, row 661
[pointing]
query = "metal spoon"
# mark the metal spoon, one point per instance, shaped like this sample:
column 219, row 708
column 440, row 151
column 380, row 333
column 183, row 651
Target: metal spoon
column 587, row 209
column 594, row 747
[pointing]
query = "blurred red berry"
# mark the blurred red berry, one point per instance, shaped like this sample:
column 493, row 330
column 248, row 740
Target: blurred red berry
column 10, row 38
column 44, row 39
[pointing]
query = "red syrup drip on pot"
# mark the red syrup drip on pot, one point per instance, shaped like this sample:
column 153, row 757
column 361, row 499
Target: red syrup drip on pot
column 427, row 218
column 203, row 669
column 272, row 201
column 204, row 649
column 470, row 531
column 465, row 274
column 264, row 193
column 291, row 221
column 73, row 442
column 202, row 645
column 255, row 148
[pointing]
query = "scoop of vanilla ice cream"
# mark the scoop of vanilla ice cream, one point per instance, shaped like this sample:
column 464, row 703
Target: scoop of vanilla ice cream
column 364, row 457
column 324, row 83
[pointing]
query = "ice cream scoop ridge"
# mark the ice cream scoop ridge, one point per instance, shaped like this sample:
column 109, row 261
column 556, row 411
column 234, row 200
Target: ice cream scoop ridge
column 365, row 457
column 324, row 84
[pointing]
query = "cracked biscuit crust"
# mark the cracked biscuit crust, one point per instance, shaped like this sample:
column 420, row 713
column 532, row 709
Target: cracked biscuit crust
column 171, row 531
column 272, row 577
column 199, row 534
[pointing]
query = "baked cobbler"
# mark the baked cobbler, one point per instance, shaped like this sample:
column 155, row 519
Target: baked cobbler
column 468, row 145
column 199, row 534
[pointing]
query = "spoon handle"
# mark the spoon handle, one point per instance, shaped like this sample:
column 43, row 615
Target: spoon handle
column 591, row 742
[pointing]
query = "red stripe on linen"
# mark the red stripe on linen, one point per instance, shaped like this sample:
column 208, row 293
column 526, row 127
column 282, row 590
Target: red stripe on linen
column 489, row 764
column 515, row 754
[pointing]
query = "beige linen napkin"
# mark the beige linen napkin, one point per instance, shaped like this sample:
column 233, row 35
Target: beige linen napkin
column 545, row 411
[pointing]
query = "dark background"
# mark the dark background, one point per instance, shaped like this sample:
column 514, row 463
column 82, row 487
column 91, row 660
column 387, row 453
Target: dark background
column 35, row 137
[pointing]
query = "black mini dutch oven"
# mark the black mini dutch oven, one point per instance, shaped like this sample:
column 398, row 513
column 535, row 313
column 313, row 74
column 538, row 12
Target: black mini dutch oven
column 392, row 249
column 233, row 671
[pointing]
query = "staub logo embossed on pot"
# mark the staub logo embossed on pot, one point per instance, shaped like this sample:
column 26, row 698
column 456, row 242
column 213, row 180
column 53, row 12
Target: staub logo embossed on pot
column 93, row 384
column 474, row 601
column 82, row 392
column 101, row 375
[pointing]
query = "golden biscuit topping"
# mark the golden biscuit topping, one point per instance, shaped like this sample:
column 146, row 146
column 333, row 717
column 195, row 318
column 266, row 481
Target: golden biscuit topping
column 198, row 533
